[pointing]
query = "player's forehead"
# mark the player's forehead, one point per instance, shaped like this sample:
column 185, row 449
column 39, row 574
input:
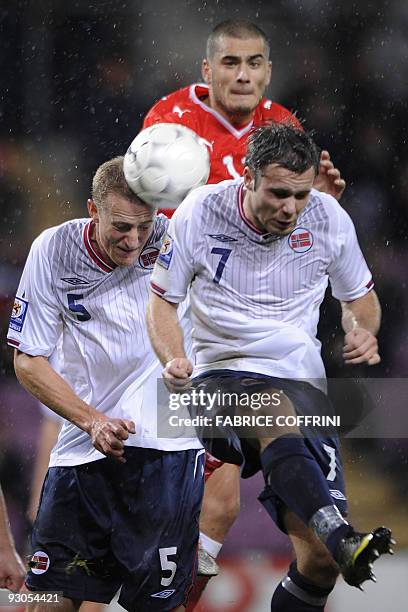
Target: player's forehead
column 243, row 48
column 122, row 210
column 275, row 176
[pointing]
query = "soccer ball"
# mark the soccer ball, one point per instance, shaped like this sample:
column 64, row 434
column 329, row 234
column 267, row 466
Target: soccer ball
column 164, row 162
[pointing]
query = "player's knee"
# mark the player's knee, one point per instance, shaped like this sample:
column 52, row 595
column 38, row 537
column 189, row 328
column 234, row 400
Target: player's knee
column 320, row 567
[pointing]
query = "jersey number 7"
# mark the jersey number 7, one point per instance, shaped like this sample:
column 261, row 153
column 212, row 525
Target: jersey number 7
column 225, row 253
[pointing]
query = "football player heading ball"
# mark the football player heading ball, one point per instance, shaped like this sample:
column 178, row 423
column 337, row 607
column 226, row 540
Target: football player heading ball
column 222, row 111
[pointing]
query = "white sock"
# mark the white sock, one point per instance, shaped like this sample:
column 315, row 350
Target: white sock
column 210, row 545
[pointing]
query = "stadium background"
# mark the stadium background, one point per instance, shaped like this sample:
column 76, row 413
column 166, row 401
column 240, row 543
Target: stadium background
column 76, row 80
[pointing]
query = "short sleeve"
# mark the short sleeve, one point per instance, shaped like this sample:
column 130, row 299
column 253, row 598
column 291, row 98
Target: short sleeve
column 174, row 267
column 36, row 323
column 349, row 275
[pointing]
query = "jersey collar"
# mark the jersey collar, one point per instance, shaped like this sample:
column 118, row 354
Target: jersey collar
column 228, row 126
column 240, row 200
column 96, row 257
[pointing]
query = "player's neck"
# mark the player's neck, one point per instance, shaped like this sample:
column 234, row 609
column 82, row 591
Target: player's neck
column 98, row 248
column 248, row 211
column 237, row 120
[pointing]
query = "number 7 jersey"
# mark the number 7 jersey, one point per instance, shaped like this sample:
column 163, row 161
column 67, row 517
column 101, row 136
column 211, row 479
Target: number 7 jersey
column 255, row 297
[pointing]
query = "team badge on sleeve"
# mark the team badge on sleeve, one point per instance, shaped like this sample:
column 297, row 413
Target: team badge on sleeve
column 300, row 240
column 166, row 252
column 18, row 314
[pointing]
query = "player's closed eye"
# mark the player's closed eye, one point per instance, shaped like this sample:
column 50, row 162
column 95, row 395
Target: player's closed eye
column 122, row 228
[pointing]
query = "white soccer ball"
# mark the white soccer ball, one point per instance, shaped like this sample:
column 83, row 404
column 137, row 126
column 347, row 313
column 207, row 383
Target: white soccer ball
column 164, row 162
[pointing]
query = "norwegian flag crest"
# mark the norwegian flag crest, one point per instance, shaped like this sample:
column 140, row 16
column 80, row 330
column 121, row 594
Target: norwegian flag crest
column 300, row 240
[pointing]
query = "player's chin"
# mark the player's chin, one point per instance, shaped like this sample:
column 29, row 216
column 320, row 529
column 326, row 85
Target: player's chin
column 126, row 258
column 242, row 107
column 281, row 229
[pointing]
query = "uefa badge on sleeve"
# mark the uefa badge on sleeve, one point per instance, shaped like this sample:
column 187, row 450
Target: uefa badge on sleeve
column 300, row 240
column 18, row 314
column 166, row 252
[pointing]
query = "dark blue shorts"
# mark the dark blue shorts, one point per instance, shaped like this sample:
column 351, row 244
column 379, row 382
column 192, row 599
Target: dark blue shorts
column 105, row 525
column 229, row 444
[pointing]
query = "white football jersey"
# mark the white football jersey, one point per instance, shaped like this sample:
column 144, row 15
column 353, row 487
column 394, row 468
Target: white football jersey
column 255, row 297
column 68, row 295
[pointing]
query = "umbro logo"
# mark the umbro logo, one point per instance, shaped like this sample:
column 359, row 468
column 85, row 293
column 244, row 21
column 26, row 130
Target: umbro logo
column 222, row 238
column 75, row 281
column 337, row 494
column 164, row 594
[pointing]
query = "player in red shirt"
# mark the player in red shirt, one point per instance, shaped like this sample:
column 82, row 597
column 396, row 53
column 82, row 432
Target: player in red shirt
column 226, row 140
column 223, row 111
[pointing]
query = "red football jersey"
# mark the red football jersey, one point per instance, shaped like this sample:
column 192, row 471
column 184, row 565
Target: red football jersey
column 226, row 143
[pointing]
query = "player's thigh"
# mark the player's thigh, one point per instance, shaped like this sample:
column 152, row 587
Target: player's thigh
column 71, row 537
column 66, row 605
column 91, row 606
column 155, row 535
column 221, row 501
column 313, row 559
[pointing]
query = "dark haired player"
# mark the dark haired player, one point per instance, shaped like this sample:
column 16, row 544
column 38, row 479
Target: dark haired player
column 255, row 255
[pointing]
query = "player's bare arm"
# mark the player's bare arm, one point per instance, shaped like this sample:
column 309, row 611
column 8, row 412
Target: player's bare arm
column 329, row 178
column 361, row 321
column 38, row 377
column 167, row 340
column 12, row 570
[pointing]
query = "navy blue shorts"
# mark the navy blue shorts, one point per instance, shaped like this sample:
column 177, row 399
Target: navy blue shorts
column 105, row 525
column 229, row 444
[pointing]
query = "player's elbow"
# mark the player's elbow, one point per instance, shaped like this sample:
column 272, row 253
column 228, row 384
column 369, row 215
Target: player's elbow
column 24, row 366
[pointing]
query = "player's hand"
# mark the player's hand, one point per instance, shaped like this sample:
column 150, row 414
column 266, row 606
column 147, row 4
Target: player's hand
column 177, row 374
column 108, row 436
column 329, row 179
column 12, row 570
column 360, row 346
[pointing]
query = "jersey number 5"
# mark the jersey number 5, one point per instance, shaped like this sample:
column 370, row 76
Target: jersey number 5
column 171, row 566
column 225, row 253
column 81, row 312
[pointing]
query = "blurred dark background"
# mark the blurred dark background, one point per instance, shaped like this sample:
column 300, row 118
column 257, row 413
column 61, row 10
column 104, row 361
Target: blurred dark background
column 76, row 80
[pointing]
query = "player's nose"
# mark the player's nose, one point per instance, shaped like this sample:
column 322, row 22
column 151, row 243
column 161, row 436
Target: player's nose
column 289, row 206
column 243, row 74
column 133, row 239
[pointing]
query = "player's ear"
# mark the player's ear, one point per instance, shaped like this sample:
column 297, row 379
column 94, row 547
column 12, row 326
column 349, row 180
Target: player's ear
column 269, row 73
column 249, row 179
column 206, row 71
column 92, row 210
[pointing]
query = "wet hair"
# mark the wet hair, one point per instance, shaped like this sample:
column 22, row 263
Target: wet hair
column 234, row 28
column 109, row 178
column 284, row 145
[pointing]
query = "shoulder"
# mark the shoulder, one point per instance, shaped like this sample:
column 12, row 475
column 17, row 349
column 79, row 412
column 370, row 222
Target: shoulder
column 330, row 209
column 267, row 111
column 160, row 225
column 70, row 231
column 211, row 196
column 174, row 107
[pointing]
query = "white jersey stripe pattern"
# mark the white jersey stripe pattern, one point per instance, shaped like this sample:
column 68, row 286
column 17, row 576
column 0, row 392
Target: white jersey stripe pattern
column 255, row 297
column 98, row 315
